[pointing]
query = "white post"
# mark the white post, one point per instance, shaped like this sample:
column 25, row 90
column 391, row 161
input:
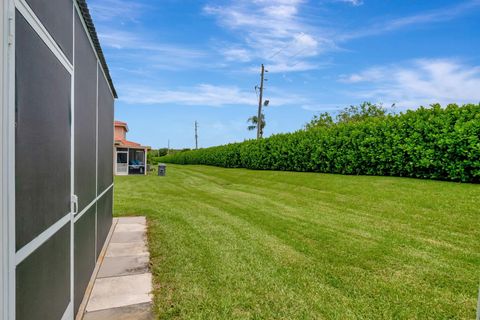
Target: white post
column 3, row 250
column 145, row 161
column 7, row 160
column 115, row 156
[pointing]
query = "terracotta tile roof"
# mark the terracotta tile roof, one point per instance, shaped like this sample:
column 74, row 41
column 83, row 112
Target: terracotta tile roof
column 129, row 144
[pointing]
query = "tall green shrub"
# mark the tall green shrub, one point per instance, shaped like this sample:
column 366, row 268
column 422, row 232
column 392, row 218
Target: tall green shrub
column 434, row 143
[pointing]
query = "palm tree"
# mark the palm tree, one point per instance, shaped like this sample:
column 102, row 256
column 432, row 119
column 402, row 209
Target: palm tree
column 254, row 123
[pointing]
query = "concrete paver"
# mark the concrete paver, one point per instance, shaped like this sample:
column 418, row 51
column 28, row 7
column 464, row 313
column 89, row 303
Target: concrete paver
column 127, row 249
column 141, row 311
column 125, row 237
column 131, row 227
column 129, row 220
column 120, row 266
column 123, row 284
column 121, row 291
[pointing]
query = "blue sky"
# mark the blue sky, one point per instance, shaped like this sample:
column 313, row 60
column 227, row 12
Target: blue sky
column 177, row 61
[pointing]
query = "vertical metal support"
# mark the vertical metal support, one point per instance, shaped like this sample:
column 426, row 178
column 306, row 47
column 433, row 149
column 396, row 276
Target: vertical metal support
column 74, row 202
column 96, row 166
column 146, row 157
column 7, row 119
column 3, row 249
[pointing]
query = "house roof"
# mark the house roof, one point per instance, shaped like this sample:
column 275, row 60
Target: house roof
column 82, row 4
column 129, row 144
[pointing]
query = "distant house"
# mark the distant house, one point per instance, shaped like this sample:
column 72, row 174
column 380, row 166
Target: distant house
column 130, row 157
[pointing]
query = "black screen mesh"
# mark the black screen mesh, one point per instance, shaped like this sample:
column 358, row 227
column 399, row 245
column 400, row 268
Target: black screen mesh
column 43, row 280
column 84, row 253
column 85, row 117
column 105, row 134
column 57, row 17
column 42, row 146
column 104, row 218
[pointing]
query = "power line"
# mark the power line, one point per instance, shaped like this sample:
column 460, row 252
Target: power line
column 285, row 47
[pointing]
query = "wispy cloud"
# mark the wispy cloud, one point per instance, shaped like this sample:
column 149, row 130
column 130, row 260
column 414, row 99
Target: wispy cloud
column 425, row 18
column 272, row 31
column 200, row 95
column 355, row 3
column 116, row 10
column 129, row 40
column 420, row 82
column 139, row 50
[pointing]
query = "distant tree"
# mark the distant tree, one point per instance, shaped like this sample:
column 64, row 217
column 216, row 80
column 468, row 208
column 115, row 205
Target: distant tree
column 321, row 120
column 364, row 111
column 162, row 152
column 254, row 123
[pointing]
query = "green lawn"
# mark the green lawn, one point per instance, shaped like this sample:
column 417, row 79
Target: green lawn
column 241, row 244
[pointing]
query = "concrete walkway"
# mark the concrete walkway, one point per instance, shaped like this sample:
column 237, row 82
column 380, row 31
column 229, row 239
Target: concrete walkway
column 122, row 288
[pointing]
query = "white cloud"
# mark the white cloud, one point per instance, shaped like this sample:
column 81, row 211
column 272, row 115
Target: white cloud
column 131, row 41
column 371, row 74
column 116, row 10
column 132, row 49
column 237, row 54
column 420, row 82
column 202, row 95
column 272, row 31
column 429, row 17
column 355, row 3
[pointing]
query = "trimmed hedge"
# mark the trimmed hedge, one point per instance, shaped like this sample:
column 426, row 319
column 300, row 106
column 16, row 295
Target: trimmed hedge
column 433, row 143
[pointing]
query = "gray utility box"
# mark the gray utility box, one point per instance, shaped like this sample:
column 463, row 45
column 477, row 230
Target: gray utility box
column 162, row 169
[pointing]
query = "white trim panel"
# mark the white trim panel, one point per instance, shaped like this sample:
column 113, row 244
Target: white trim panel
column 8, row 141
column 33, row 245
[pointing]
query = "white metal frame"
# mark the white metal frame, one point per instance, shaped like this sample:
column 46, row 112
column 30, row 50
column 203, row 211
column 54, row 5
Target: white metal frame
column 69, row 312
column 3, row 202
column 42, row 32
column 2, row 171
column 116, row 161
column 7, row 147
column 10, row 258
column 146, row 161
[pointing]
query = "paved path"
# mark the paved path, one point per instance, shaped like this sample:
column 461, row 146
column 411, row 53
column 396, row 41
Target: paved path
column 122, row 289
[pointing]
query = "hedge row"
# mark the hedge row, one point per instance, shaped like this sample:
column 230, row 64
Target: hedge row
column 434, row 143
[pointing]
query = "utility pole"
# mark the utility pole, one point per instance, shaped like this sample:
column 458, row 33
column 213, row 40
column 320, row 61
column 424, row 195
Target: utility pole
column 260, row 103
column 168, row 147
column 196, row 134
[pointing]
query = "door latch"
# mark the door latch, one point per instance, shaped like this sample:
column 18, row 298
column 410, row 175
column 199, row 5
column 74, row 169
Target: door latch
column 74, row 204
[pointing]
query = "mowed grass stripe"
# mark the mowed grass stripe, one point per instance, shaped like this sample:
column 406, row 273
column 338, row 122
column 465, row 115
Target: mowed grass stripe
column 241, row 244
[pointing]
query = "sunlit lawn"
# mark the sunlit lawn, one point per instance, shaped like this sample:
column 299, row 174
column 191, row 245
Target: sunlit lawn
column 241, row 244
